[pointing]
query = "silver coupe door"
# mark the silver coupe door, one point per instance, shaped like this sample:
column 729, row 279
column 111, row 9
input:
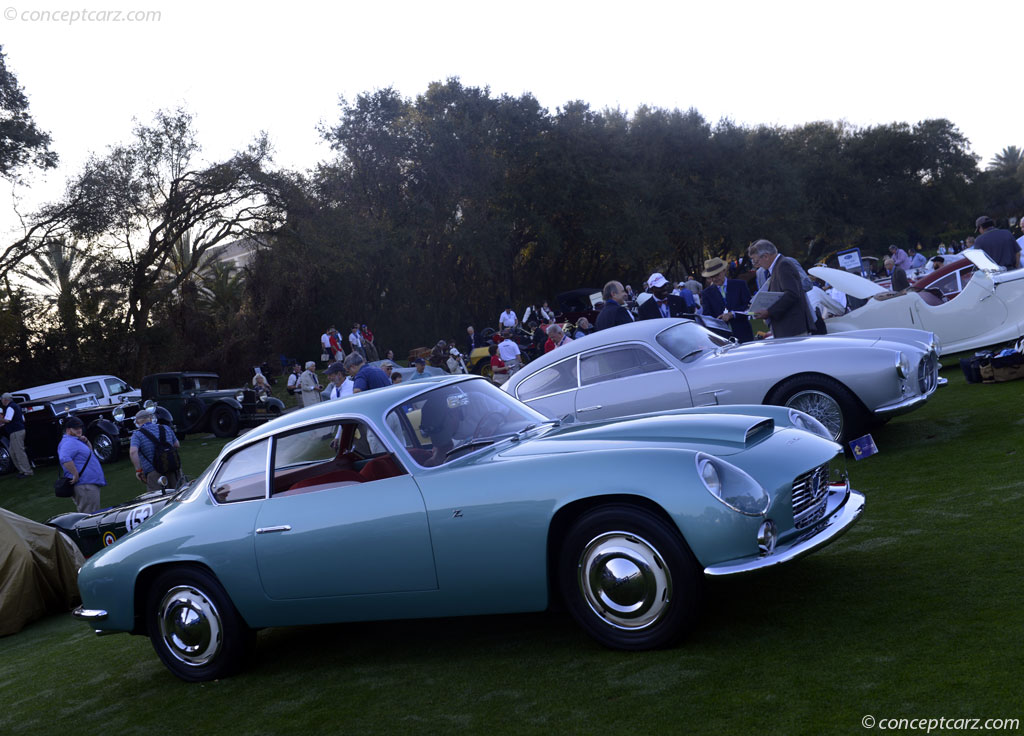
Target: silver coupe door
column 628, row 379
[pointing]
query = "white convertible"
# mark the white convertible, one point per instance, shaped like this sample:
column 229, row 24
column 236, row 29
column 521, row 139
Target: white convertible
column 989, row 311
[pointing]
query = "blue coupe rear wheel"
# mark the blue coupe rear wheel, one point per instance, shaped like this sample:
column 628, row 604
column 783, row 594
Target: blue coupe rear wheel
column 194, row 627
column 629, row 579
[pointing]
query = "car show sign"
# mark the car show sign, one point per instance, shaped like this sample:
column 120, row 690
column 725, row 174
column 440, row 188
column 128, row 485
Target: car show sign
column 849, row 260
column 863, row 447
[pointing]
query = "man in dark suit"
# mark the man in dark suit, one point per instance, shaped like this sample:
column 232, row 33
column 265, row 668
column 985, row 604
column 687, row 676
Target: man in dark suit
column 791, row 315
column 613, row 313
column 663, row 302
column 725, row 297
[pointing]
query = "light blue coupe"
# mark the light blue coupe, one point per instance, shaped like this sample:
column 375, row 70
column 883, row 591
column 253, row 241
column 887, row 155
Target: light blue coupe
column 448, row 497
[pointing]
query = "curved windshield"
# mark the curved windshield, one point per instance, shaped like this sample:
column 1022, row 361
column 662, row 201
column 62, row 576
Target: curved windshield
column 445, row 423
column 687, row 339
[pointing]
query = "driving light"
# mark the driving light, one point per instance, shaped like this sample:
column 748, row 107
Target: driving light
column 240, row 397
column 709, row 477
column 806, row 422
column 767, row 536
column 150, row 404
column 118, row 414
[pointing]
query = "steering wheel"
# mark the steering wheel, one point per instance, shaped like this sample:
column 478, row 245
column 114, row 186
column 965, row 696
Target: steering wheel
column 489, row 424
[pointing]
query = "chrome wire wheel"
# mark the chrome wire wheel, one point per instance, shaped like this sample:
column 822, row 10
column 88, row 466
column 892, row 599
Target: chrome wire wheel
column 822, row 407
column 103, row 446
column 624, row 580
column 190, row 625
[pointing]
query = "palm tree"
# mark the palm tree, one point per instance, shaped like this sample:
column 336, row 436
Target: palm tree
column 62, row 270
column 1008, row 160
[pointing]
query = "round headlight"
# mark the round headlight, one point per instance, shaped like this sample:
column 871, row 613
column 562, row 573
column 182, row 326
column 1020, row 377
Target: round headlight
column 119, row 414
column 240, row 397
column 150, row 404
column 709, row 476
column 806, row 422
column 732, row 486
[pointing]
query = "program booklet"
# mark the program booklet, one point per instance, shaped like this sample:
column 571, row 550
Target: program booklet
column 763, row 301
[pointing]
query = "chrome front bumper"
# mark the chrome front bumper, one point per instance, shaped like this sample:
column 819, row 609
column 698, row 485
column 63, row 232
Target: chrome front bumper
column 92, row 616
column 843, row 508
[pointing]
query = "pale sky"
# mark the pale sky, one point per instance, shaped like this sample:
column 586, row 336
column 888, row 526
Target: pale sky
column 281, row 67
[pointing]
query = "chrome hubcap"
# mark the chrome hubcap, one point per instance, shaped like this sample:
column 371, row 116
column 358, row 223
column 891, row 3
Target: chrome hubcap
column 190, row 625
column 103, row 446
column 822, row 407
column 624, row 580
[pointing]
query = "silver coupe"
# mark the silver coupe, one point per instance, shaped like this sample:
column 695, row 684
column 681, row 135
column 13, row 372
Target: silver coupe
column 847, row 382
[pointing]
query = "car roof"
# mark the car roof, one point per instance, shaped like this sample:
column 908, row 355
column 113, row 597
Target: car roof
column 642, row 331
column 185, row 374
column 947, row 268
column 365, row 403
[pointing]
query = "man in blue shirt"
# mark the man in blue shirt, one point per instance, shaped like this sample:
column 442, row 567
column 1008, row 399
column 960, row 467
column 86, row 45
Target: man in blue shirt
column 143, row 450
column 364, row 376
column 81, row 466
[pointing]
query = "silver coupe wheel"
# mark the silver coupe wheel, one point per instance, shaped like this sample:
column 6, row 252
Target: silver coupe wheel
column 624, row 580
column 190, row 625
column 822, row 407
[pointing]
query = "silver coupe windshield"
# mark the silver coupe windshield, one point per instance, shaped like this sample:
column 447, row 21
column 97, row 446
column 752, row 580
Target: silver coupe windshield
column 688, row 339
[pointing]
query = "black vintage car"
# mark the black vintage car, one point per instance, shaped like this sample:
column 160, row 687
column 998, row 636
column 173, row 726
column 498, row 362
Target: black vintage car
column 93, row 532
column 198, row 405
column 109, row 428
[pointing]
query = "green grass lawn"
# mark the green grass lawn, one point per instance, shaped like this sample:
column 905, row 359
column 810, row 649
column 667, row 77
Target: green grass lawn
column 915, row 613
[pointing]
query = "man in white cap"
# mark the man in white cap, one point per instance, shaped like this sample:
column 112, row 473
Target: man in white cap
column 665, row 303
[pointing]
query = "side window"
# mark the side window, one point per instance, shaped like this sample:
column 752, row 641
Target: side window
column 947, row 284
column 330, row 456
column 94, row 388
column 559, row 377
column 76, row 389
column 607, row 365
column 116, row 386
column 243, row 476
column 166, row 387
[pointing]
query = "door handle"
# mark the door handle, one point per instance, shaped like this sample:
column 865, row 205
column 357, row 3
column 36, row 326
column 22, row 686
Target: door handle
column 269, row 529
column 589, row 408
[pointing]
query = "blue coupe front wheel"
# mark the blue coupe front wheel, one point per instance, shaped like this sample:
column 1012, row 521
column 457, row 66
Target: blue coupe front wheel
column 629, row 579
column 194, row 627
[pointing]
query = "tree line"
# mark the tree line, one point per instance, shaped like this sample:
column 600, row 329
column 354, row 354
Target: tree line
column 436, row 212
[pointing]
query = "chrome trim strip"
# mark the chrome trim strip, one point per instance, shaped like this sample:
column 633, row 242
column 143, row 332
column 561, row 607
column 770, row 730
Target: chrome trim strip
column 844, row 508
column 904, row 406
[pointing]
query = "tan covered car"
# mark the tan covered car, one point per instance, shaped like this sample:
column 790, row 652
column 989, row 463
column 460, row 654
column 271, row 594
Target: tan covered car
column 38, row 572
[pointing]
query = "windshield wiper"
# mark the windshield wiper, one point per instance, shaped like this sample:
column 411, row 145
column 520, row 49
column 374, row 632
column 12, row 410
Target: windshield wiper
column 522, row 432
column 475, row 444
column 692, row 352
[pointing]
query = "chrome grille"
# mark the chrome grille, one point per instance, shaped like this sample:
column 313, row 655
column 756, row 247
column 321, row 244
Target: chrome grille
column 927, row 373
column 809, row 496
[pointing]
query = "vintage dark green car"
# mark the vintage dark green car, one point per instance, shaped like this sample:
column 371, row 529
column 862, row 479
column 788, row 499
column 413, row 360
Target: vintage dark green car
column 197, row 404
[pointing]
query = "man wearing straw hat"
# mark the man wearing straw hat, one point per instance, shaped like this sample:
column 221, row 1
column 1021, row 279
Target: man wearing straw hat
column 725, row 297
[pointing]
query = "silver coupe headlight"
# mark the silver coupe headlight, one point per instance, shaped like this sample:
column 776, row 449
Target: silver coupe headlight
column 732, row 486
column 806, row 422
